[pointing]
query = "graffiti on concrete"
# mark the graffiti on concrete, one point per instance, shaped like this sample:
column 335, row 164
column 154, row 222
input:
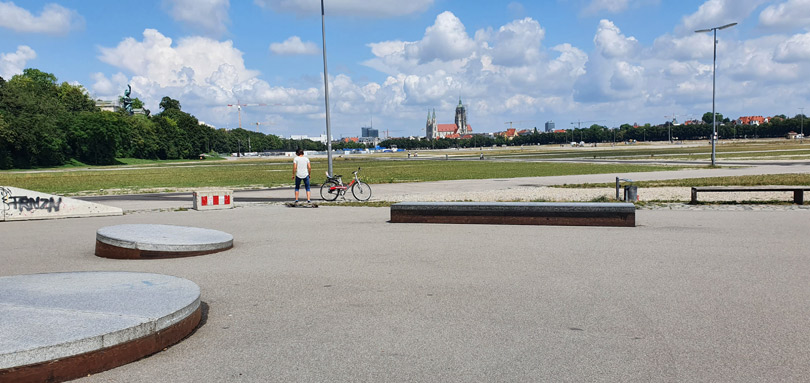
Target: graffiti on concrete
column 28, row 204
column 5, row 193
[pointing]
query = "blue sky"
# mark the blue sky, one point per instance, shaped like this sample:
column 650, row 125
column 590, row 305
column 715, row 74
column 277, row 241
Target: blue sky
column 611, row 61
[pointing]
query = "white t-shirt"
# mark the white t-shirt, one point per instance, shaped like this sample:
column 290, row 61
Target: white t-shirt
column 301, row 170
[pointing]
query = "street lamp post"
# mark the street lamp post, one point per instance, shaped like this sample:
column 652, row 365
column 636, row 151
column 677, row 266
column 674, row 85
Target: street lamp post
column 714, row 69
column 326, row 95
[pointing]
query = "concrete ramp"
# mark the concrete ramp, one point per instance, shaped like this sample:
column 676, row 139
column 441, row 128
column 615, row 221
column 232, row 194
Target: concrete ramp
column 22, row 204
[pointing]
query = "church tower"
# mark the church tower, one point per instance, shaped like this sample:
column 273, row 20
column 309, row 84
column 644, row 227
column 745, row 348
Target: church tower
column 431, row 127
column 461, row 118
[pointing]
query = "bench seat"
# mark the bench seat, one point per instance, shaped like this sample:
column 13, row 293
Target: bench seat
column 798, row 191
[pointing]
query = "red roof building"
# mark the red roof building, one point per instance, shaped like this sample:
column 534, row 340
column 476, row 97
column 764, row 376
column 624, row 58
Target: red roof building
column 449, row 131
column 752, row 120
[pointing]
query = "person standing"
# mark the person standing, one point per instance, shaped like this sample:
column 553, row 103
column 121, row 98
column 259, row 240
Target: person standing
column 301, row 171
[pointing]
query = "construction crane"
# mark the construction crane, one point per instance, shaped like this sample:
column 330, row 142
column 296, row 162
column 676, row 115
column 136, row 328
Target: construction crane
column 515, row 122
column 239, row 106
column 388, row 132
column 579, row 126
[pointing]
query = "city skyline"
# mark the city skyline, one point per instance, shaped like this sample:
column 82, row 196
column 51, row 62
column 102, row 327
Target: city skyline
column 614, row 61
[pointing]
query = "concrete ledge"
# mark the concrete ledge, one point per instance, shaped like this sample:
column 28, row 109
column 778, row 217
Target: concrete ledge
column 21, row 205
column 62, row 326
column 516, row 213
column 146, row 241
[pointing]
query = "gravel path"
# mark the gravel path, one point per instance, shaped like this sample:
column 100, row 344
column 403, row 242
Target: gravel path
column 552, row 194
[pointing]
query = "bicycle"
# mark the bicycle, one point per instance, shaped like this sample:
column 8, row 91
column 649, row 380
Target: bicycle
column 334, row 188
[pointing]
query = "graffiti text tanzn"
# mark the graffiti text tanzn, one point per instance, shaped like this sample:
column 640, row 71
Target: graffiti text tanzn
column 24, row 203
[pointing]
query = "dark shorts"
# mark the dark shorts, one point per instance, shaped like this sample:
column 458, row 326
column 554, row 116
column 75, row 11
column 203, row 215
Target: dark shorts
column 298, row 183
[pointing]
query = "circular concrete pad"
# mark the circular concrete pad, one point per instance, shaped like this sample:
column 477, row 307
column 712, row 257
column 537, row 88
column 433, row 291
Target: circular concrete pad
column 145, row 241
column 61, row 326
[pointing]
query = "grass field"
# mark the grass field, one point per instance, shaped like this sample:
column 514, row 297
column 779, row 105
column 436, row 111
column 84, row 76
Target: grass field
column 135, row 175
column 261, row 173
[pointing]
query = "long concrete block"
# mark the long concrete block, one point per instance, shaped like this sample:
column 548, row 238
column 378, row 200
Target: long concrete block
column 21, row 204
column 516, row 213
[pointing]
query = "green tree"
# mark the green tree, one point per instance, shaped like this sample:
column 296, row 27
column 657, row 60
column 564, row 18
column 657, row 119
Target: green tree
column 74, row 98
column 35, row 120
column 167, row 103
column 94, row 137
column 707, row 117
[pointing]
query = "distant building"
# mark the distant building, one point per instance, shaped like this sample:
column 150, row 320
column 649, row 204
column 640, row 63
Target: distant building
column 549, row 126
column 369, row 132
column 461, row 119
column 109, row 106
column 461, row 129
column 751, row 120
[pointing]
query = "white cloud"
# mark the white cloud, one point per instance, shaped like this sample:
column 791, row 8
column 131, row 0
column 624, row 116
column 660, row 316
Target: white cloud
column 611, row 43
column 794, row 50
column 194, row 60
column 199, row 68
column 689, row 47
column 108, row 88
column 54, row 19
column 13, row 63
column 714, row 13
column 789, row 14
column 294, row 46
column 500, row 71
column 445, row 40
column 363, row 8
column 518, row 43
column 207, row 16
column 444, row 46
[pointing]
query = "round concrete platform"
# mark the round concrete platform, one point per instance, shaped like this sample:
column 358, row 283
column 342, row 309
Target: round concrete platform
column 145, row 241
column 62, row 326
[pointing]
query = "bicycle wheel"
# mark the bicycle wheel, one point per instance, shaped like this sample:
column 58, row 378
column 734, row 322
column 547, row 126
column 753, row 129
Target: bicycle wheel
column 361, row 191
column 327, row 193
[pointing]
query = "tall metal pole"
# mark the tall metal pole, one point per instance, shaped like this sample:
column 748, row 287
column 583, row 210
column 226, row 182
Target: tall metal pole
column 714, row 75
column 802, row 122
column 714, row 115
column 326, row 95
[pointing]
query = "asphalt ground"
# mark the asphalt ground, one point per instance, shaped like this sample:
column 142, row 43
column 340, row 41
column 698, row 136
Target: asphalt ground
column 340, row 294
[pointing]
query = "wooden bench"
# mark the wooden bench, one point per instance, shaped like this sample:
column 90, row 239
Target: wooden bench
column 798, row 191
column 516, row 213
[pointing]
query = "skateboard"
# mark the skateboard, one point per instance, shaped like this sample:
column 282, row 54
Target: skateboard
column 301, row 204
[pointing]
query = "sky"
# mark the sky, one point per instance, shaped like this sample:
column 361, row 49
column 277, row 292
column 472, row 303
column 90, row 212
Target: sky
column 519, row 63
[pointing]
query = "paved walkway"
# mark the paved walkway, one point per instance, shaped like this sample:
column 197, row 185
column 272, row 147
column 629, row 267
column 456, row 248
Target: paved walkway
column 341, row 294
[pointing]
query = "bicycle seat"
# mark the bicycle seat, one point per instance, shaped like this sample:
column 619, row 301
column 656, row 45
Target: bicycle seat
column 337, row 176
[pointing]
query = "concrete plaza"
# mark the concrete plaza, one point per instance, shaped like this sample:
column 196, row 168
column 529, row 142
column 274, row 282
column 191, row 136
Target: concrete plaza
column 340, row 294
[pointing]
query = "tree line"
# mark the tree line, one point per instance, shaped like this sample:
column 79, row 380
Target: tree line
column 44, row 123
column 779, row 126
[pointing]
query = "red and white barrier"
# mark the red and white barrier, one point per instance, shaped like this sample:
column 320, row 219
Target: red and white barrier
column 213, row 199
